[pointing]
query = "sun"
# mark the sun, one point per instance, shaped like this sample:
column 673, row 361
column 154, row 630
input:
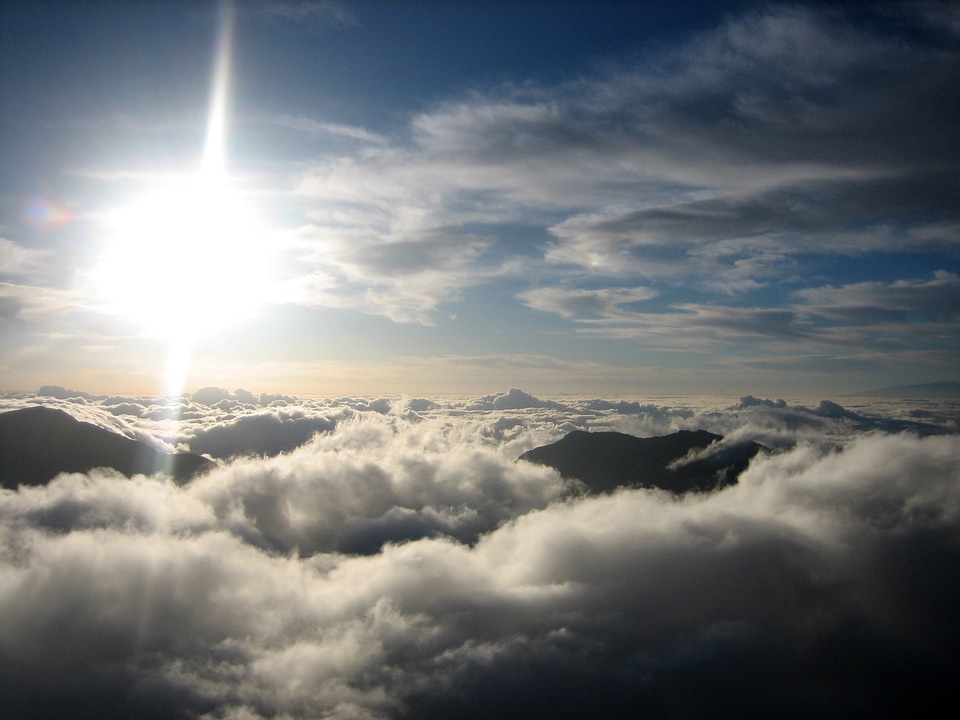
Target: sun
column 190, row 257
column 186, row 260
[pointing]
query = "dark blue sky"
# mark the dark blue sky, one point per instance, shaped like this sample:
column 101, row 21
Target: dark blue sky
column 619, row 198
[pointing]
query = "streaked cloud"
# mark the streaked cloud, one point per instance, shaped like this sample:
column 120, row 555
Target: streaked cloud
column 320, row 12
column 716, row 167
column 605, row 303
column 315, row 127
column 903, row 301
column 19, row 260
column 36, row 302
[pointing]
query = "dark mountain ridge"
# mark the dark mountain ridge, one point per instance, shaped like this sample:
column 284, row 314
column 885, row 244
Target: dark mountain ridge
column 604, row 461
column 39, row 443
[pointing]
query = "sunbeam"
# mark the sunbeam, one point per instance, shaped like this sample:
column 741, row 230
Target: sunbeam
column 191, row 257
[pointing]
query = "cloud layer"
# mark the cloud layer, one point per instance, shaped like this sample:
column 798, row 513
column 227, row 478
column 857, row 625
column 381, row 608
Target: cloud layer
column 822, row 585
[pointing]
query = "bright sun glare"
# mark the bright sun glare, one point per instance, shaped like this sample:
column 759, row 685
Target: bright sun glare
column 190, row 257
column 186, row 260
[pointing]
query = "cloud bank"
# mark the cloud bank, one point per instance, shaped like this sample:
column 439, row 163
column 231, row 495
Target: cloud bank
column 405, row 565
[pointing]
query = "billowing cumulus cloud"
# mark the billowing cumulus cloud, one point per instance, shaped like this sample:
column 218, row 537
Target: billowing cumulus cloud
column 513, row 399
column 772, row 193
column 263, row 433
column 378, row 479
column 400, row 568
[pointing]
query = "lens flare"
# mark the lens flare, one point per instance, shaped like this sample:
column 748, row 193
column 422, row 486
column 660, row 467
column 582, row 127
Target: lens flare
column 45, row 213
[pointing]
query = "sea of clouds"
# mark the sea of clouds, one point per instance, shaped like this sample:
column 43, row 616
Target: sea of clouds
column 390, row 558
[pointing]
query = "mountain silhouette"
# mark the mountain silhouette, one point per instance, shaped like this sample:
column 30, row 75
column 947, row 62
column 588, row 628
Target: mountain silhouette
column 604, row 461
column 38, row 443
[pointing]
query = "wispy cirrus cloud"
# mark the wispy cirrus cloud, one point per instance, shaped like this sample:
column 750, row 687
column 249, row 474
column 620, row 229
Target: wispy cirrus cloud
column 859, row 315
column 704, row 194
column 37, row 302
column 903, row 301
column 315, row 127
column 604, row 303
column 404, row 275
column 19, row 260
column 320, row 12
column 718, row 167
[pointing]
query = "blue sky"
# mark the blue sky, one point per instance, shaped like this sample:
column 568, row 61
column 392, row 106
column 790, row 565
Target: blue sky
column 618, row 199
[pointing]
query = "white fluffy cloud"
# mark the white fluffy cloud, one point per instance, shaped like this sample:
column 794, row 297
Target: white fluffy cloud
column 368, row 484
column 823, row 584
